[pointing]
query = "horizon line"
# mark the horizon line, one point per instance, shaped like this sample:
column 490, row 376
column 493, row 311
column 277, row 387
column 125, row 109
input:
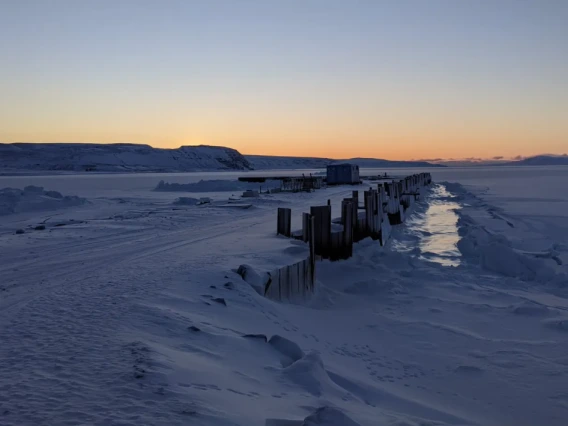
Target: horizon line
column 496, row 158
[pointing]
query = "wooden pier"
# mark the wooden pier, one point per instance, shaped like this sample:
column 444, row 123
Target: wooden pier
column 383, row 207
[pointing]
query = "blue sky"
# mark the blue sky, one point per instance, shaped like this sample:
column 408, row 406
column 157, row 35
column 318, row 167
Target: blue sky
column 395, row 79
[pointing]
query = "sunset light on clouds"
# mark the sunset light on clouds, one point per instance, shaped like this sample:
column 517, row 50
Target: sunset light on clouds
column 389, row 79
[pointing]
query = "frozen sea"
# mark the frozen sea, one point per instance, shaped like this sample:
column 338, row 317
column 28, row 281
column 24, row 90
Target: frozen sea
column 111, row 312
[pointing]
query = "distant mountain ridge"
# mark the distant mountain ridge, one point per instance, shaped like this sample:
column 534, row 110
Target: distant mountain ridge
column 126, row 157
column 265, row 162
column 119, row 157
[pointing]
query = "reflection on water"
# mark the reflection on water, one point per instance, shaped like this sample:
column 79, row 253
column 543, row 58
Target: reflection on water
column 431, row 233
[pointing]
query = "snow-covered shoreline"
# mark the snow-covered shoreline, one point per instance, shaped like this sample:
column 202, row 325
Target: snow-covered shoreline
column 127, row 310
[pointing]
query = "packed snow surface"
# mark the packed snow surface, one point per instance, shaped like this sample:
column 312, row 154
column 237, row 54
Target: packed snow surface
column 128, row 310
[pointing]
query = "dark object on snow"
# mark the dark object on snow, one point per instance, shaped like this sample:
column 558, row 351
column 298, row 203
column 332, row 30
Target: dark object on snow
column 220, row 300
column 40, row 228
column 193, row 328
column 212, row 286
column 283, row 226
column 20, row 231
column 256, row 336
column 229, row 285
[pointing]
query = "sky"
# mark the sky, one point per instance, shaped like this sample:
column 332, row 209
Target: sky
column 398, row 79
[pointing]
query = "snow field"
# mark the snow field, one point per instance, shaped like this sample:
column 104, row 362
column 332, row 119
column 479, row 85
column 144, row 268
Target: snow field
column 131, row 313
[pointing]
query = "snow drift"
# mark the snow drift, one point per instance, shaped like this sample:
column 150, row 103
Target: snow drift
column 494, row 251
column 34, row 198
column 186, row 201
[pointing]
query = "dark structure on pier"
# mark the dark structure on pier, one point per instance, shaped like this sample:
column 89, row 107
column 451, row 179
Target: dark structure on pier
column 343, row 174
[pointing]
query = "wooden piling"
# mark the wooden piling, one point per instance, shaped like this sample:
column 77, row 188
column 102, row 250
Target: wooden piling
column 369, row 213
column 347, row 213
column 355, row 198
column 376, row 217
column 284, row 225
column 312, row 258
column 322, row 229
column 336, row 244
column 306, row 221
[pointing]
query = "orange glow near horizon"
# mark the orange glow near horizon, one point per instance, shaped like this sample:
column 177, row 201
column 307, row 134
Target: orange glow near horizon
column 404, row 146
column 392, row 80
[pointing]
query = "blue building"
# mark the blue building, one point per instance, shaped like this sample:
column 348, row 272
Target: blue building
column 343, row 173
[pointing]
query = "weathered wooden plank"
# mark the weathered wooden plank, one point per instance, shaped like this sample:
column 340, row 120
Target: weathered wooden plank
column 347, row 213
column 335, row 246
column 369, row 213
column 283, row 283
column 292, row 280
column 322, row 229
column 306, row 221
column 301, row 278
column 376, row 216
column 284, row 222
column 355, row 198
column 312, row 258
column 273, row 291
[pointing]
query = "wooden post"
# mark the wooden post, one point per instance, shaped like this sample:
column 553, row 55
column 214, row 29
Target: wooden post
column 376, row 216
column 306, row 221
column 322, row 229
column 355, row 197
column 345, row 200
column 335, row 245
column 284, row 222
column 347, row 213
column 368, row 213
column 380, row 201
column 312, row 240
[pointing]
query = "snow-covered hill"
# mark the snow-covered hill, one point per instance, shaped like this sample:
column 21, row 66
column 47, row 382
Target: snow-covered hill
column 144, row 158
column 376, row 162
column 264, row 162
column 118, row 157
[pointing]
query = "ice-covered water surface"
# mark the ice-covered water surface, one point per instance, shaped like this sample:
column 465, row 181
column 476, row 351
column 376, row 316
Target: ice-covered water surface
column 430, row 232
